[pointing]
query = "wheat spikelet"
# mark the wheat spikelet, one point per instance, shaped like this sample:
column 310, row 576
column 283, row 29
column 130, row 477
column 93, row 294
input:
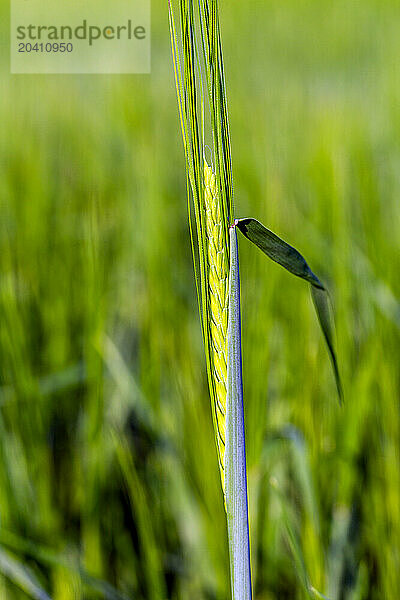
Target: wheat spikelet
column 218, row 277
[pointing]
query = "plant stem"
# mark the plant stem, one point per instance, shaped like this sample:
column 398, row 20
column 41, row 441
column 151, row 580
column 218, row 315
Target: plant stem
column 235, row 451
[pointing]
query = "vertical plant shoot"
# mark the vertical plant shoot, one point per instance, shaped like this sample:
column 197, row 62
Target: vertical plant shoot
column 200, row 83
column 198, row 66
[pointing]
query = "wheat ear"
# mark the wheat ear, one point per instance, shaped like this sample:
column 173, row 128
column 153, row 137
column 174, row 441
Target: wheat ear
column 218, row 281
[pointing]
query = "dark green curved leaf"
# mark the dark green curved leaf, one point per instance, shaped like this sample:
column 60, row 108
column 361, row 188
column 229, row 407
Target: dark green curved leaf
column 321, row 302
column 288, row 257
column 277, row 249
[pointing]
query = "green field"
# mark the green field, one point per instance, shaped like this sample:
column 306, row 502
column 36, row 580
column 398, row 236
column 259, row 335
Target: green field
column 109, row 484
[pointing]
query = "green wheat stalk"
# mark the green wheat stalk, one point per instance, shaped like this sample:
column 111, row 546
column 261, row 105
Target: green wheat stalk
column 199, row 77
column 200, row 84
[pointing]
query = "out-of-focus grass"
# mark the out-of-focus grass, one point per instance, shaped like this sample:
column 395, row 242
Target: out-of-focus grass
column 108, row 471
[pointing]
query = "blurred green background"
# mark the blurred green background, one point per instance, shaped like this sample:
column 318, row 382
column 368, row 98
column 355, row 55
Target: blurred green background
column 109, row 485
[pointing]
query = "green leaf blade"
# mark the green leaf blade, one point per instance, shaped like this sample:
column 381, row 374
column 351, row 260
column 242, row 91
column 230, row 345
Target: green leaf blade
column 277, row 249
column 322, row 307
column 288, row 257
column 21, row 576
